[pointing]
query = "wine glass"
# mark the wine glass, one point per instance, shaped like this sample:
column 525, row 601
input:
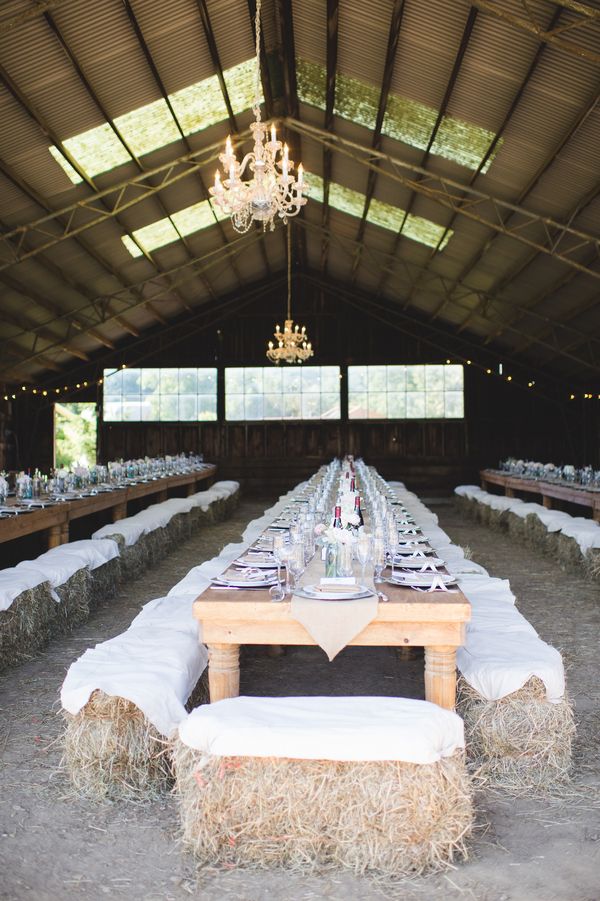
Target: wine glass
column 295, row 563
column 378, row 559
column 277, row 592
column 363, row 552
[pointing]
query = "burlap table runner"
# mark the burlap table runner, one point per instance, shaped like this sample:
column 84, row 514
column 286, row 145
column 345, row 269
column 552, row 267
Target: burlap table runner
column 333, row 624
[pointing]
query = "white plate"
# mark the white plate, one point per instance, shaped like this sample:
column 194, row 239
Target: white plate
column 422, row 580
column 240, row 582
column 255, row 561
column 353, row 594
column 418, row 562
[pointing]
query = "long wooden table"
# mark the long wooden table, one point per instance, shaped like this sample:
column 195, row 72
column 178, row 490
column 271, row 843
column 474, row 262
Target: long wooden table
column 549, row 491
column 434, row 621
column 55, row 519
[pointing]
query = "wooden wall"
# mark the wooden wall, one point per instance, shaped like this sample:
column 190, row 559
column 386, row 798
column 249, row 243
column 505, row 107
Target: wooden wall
column 501, row 419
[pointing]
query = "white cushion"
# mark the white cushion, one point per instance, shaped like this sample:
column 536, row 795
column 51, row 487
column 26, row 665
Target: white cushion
column 331, row 728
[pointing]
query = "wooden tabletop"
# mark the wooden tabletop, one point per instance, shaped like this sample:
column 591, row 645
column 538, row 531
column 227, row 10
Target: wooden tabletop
column 573, row 494
column 56, row 518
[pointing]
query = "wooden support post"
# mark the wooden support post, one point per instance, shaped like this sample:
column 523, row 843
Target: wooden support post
column 162, row 496
column 440, row 676
column 191, row 489
column 119, row 511
column 509, row 492
column 223, row 671
column 547, row 502
column 55, row 536
column 64, row 532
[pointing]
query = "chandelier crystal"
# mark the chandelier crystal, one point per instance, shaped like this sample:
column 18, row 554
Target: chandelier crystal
column 261, row 187
column 292, row 344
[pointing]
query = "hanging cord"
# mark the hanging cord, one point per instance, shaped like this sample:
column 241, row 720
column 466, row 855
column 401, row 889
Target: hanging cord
column 256, row 109
column 289, row 271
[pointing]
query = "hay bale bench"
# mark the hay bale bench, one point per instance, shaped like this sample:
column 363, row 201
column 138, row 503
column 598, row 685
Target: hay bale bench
column 124, row 698
column 372, row 785
column 28, row 611
column 572, row 541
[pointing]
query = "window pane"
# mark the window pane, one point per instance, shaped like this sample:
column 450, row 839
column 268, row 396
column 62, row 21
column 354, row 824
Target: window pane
column 169, row 408
column 234, row 381
column 434, row 404
column 253, row 381
column 113, row 383
column 188, row 381
column 150, row 407
column 132, row 408
column 311, row 406
column 234, row 407
column 311, row 380
column 273, row 406
column 358, row 406
column 396, row 378
column 207, row 381
column 150, row 381
column 415, row 378
column 396, row 404
column 113, row 410
column 377, row 378
column 292, row 406
column 454, row 404
column 292, row 381
column 131, row 381
column 254, row 405
column 169, row 381
column 207, row 407
column 188, row 407
column 330, row 379
column 453, row 378
column 415, row 404
column 434, row 378
column 330, row 405
column 377, row 405
column 357, row 378
column 273, row 380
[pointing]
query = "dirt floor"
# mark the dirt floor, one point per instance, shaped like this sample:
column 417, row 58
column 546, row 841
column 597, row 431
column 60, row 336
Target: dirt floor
column 54, row 846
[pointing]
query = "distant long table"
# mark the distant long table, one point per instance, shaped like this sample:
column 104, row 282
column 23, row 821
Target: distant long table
column 55, row 519
column 549, row 491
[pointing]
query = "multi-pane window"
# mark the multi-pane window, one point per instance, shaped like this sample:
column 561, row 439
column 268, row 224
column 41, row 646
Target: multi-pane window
column 166, row 395
column 257, row 392
column 405, row 392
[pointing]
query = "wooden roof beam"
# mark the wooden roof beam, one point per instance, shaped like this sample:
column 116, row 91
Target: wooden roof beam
column 388, row 71
column 458, row 59
column 332, row 47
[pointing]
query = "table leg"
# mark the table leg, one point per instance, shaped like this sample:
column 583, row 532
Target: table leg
column 54, row 536
column 119, row 511
column 191, row 489
column 547, row 502
column 509, row 492
column 440, row 675
column 223, row 671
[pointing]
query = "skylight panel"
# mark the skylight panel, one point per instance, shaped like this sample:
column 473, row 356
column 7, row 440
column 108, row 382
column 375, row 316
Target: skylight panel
column 71, row 173
column 152, row 126
column 148, row 127
column 97, row 150
column 404, row 120
column 165, row 231
column 382, row 214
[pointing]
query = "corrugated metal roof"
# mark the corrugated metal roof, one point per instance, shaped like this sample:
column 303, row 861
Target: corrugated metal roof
column 476, row 259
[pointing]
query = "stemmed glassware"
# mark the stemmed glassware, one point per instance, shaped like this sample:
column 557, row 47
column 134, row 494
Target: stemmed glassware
column 278, row 592
column 378, row 559
column 295, row 564
column 363, row 552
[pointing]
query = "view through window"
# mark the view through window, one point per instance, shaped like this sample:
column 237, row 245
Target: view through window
column 261, row 392
column 426, row 391
column 75, row 434
column 165, row 395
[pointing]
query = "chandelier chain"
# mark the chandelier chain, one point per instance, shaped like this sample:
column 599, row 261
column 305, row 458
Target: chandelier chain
column 256, row 109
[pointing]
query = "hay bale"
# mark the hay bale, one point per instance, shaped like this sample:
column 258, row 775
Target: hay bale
column 111, row 750
column 497, row 519
column 388, row 819
column 179, row 529
column 517, row 527
column 568, row 553
column 521, row 742
column 105, row 581
column 74, row 607
column 592, row 564
column 27, row 625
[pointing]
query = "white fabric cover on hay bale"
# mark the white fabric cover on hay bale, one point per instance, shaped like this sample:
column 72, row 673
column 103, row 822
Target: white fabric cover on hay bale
column 374, row 785
column 28, row 611
column 124, row 697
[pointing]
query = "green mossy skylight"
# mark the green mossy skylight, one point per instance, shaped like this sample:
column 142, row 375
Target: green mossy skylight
column 151, row 127
column 405, row 120
column 165, row 231
column 382, row 214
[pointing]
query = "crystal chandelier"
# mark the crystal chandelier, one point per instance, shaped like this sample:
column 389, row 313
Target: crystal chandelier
column 269, row 190
column 292, row 344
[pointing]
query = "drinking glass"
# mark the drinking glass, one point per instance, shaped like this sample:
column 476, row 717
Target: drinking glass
column 378, row 559
column 277, row 592
column 363, row 553
column 295, row 564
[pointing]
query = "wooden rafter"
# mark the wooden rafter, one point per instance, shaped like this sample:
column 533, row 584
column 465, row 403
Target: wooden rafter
column 331, row 71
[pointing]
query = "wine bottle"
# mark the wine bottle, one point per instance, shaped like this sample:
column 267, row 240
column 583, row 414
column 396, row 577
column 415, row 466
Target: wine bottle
column 337, row 518
column 358, row 511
